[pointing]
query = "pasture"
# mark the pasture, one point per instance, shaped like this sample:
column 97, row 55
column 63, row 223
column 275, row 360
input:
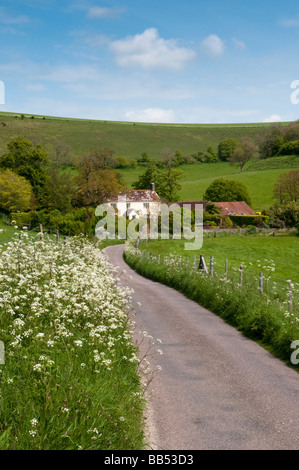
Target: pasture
column 128, row 139
column 277, row 256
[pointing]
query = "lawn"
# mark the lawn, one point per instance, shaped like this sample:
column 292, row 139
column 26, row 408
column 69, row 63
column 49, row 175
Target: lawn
column 260, row 177
column 276, row 256
column 126, row 138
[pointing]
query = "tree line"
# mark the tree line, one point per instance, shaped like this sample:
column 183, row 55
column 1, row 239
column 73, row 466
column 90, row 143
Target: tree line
column 34, row 180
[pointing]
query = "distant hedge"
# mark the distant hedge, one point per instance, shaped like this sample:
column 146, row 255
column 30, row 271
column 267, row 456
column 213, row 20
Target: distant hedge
column 257, row 220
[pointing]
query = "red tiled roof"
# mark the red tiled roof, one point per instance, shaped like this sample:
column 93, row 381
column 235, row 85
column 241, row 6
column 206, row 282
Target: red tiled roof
column 235, row 208
column 140, row 195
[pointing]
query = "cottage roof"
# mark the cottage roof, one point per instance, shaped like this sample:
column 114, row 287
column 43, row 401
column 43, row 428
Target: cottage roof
column 235, row 208
column 137, row 195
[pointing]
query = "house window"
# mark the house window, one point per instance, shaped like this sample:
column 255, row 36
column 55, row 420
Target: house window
column 128, row 205
column 146, row 205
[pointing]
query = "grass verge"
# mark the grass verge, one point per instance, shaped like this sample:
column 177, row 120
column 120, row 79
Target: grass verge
column 71, row 374
column 253, row 315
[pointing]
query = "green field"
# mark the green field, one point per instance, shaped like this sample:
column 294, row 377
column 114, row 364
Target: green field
column 126, row 138
column 277, row 257
column 132, row 139
column 260, row 177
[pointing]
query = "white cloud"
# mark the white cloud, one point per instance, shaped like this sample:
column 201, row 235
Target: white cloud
column 290, row 23
column 67, row 73
column 104, row 12
column 273, row 118
column 213, row 46
column 148, row 50
column 239, row 44
column 6, row 19
column 151, row 115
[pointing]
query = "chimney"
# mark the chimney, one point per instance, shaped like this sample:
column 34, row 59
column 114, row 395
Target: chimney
column 152, row 186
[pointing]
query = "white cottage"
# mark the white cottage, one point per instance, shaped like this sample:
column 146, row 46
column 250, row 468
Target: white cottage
column 134, row 204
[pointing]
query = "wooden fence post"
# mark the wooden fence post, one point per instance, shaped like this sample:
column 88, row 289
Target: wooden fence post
column 57, row 237
column 195, row 261
column 261, row 283
column 202, row 264
column 241, row 275
column 290, row 296
column 41, row 233
column 211, row 266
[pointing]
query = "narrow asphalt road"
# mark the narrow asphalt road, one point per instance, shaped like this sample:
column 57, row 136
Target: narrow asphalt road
column 217, row 389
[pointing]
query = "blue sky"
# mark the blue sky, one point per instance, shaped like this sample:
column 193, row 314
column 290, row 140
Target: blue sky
column 197, row 61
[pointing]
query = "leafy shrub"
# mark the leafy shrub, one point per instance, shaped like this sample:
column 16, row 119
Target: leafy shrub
column 245, row 220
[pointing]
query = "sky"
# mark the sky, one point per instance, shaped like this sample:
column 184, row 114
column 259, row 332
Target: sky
column 164, row 61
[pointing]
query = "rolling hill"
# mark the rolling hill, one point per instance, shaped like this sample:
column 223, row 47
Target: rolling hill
column 126, row 138
column 132, row 139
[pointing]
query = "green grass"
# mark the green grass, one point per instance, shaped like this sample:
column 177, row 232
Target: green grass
column 127, row 139
column 71, row 378
column 260, row 177
column 258, row 253
column 262, row 318
column 132, row 139
column 8, row 233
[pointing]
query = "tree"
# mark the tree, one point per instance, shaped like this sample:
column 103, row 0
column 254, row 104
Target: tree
column 61, row 154
column 271, row 141
column 226, row 148
column 243, row 153
column 15, row 192
column 26, row 160
column 100, row 160
column 292, row 132
column 58, row 191
column 168, row 183
column 101, row 185
column 169, row 158
column 95, row 181
column 287, row 187
column 222, row 190
column 147, row 177
column 210, row 156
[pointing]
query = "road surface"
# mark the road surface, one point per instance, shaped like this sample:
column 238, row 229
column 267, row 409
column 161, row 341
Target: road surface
column 217, row 389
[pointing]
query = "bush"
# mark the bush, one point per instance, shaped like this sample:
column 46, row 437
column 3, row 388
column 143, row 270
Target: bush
column 251, row 230
column 245, row 220
column 76, row 222
column 287, row 214
column 290, row 148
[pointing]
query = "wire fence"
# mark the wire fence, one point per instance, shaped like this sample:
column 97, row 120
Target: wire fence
column 41, row 232
column 284, row 292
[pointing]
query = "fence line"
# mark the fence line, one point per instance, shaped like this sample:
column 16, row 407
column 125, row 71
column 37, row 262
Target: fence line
column 40, row 233
column 284, row 291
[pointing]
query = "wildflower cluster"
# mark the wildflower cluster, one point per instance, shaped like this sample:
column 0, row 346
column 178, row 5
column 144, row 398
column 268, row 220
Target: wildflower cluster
column 69, row 352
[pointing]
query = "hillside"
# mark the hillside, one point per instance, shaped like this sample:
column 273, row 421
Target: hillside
column 127, row 139
column 259, row 176
column 132, row 139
